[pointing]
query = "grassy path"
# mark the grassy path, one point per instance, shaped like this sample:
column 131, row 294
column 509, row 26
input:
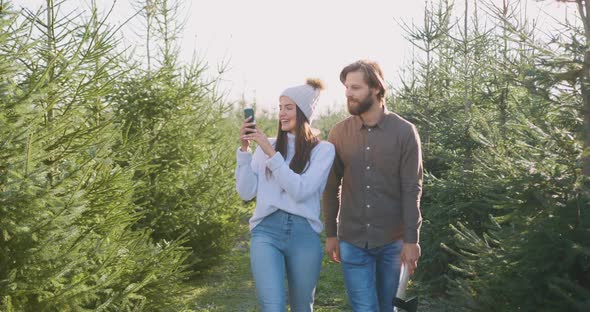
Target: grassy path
column 229, row 288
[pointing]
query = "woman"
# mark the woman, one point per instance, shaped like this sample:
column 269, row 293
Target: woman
column 287, row 176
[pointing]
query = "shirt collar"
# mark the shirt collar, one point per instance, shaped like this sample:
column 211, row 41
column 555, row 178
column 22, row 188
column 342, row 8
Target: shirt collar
column 380, row 124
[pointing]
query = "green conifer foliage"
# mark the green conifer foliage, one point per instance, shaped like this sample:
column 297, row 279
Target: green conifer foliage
column 175, row 133
column 67, row 237
column 175, row 137
column 506, row 224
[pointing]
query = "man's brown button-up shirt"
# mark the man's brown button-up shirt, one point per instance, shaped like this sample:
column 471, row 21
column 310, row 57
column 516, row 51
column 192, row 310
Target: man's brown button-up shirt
column 372, row 196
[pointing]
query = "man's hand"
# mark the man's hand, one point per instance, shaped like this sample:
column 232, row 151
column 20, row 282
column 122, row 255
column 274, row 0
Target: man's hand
column 333, row 249
column 409, row 256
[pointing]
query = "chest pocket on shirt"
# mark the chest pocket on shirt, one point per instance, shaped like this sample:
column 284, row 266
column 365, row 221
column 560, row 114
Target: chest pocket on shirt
column 387, row 157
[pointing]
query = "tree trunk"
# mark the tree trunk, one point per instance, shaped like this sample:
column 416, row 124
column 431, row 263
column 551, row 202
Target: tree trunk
column 503, row 103
column 51, row 96
column 584, row 8
column 586, row 109
column 148, row 18
column 466, row 58
column 50, row 56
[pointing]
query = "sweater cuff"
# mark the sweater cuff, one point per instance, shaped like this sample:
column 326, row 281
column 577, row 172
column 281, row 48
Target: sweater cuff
column 244, row 158
column 275, row 162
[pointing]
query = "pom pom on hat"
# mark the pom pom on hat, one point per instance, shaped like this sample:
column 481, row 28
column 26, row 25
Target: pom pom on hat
column 306, row 96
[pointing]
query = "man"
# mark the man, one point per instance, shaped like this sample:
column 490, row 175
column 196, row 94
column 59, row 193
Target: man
column 373, row 222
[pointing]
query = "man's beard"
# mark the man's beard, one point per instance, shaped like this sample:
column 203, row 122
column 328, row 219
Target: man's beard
column 362, row 107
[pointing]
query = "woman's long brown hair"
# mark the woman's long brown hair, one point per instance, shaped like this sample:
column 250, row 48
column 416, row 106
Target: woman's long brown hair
column 305, row 141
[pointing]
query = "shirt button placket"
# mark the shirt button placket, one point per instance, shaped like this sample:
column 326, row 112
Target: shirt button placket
column 368, row 175
column 368, row 187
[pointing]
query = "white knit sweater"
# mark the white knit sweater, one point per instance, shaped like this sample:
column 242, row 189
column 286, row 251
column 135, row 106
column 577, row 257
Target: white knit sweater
column 298, row 194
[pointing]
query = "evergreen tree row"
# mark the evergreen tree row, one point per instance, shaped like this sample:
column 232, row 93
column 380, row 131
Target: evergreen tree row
column 114, row 186
column 501, row 108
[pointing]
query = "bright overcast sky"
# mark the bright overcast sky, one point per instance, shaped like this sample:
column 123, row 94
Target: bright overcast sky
column 274, row 44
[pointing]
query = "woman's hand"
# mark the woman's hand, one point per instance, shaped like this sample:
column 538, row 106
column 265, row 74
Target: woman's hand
column 259, row 138
column 247, row 127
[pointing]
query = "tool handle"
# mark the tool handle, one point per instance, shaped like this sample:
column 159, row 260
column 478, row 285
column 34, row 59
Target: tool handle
column 404, row 278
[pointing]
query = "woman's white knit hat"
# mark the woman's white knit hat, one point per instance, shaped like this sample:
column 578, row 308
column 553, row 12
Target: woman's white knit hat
column 305, row 96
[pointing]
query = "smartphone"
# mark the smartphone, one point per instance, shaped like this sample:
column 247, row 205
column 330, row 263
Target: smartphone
column 249, row 112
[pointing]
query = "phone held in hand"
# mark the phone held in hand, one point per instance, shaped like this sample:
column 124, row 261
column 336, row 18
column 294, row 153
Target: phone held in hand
column 249, row 112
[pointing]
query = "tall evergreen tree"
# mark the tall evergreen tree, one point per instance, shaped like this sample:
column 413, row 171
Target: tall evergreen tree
column 67, row 241
column 172, row 121
column 507, row 202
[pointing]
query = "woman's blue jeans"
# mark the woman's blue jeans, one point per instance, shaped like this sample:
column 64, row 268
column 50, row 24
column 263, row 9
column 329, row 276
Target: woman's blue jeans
column 371, row 275
column 285, row 244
